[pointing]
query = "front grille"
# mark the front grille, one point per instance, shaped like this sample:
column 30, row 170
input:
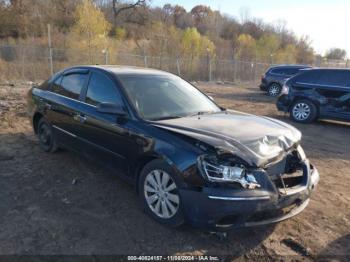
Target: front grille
column 289, row 180
column 288, row 173
column 259, row 216
column 271, row 214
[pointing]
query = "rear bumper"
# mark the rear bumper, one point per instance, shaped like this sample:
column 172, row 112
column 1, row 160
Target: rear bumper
column 220, row 209
column 263, row 86
column 283, row 103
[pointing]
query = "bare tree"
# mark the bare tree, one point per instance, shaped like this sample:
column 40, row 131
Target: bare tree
column 119, row 8
column 336, row 54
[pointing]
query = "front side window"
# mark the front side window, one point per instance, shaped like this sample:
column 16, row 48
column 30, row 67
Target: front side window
column 164, row 97
column 309, row 77
column 102, row 89
column 70, row 85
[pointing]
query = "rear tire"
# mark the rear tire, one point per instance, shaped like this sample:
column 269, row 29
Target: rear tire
column 159, row 194
column 274, row 89
column 46, row 137
column 303, row 111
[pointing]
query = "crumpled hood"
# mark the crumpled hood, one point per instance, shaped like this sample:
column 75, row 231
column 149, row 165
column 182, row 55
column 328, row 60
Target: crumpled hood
column 255, row 139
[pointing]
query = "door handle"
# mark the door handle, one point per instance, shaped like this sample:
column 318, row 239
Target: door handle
column 80, row 118
column 48, row 106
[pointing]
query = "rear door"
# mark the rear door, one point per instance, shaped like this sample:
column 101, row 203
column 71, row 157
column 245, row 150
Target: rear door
column 64, row 105
column 327, row 88
column 335, row 86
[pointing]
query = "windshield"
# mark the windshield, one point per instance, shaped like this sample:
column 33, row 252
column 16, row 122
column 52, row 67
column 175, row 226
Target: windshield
column 165, row 97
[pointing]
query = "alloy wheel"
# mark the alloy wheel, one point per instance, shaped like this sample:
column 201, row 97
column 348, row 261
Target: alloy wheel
column 301, row 111
column 274, row 90
column 161, row 194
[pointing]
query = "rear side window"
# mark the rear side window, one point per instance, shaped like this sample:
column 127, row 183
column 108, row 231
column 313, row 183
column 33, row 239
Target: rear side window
column 278, row 71
column 328, row 78
column 291, row 71
column 347, row 78
column 286, row 71
column 102, row 89
column 335, row 78
column 70, row 85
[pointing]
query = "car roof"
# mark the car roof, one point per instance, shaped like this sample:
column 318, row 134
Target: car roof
column 290, row 66
column 123, row 70
column 325, row 69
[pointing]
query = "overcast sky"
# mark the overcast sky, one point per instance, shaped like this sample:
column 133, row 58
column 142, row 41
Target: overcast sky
column 326, row 22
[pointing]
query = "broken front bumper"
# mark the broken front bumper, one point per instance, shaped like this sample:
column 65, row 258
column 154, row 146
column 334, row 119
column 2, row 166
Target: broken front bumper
column 224, row 208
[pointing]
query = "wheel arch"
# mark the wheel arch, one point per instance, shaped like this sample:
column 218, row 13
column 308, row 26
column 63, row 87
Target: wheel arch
column 36, row 118
column 141, row 162
column 275, row 82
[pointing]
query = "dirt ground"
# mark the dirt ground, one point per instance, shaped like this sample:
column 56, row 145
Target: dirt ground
column 63, row 204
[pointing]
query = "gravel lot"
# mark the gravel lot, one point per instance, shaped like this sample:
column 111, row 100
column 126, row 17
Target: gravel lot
column 63, row 204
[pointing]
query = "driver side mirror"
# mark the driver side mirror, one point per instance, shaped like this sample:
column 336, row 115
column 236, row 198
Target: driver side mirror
column 109, row 108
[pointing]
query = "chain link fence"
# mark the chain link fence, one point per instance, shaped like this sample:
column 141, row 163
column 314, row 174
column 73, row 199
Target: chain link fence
column 19, row 62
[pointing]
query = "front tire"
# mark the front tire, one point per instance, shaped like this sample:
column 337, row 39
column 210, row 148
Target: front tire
column 274, row 89
column 303, row 111
column 47, row 140
column 159, row 193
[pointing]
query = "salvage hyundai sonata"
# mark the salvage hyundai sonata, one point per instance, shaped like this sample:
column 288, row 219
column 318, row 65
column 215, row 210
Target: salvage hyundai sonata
column 189, row 159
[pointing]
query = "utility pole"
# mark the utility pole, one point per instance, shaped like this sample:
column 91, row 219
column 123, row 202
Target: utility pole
column 209, row 64
column 178, row 66
column 50, row 48
column 145, row 61
column 105, row 52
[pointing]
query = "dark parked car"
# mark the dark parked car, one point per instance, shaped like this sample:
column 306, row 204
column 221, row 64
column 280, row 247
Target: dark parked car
column 274, row 78
column 317, row 93
column 189, row 159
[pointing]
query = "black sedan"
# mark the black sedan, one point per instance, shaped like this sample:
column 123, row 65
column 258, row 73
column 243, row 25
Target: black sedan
column 189, row 159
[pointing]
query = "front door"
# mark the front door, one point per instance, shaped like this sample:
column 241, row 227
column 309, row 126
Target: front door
column 107, row 136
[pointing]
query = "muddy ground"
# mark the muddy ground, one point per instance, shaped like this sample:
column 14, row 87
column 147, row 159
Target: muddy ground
column 63, row 204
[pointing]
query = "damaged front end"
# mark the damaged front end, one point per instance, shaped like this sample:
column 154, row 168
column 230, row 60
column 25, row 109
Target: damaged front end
column 248, row 176
column 226, row 169
column 236, row 162
column 242, row 195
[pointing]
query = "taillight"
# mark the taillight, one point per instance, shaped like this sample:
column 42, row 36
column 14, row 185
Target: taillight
column 285, row 89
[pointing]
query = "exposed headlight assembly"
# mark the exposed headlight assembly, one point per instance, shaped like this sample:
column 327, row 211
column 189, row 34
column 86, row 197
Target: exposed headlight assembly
column 226, row 171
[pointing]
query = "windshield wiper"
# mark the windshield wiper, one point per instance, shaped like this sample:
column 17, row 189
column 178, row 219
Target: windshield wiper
column 199, row 113
column 165, row 118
